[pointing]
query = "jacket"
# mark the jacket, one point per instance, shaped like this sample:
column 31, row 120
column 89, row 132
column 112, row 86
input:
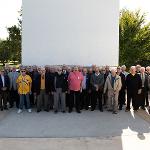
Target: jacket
column 117, row 84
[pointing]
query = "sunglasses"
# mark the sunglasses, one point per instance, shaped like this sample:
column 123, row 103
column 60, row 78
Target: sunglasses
column 23, row 71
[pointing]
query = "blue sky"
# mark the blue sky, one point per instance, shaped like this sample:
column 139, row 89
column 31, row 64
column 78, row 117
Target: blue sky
column 9, row 11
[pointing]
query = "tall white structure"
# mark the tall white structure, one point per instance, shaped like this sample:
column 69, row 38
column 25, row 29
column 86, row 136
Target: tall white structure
column 72, row 32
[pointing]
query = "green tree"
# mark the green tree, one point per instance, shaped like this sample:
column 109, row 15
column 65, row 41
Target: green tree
column 14, row 41
column 134, row 38
column 4, row 51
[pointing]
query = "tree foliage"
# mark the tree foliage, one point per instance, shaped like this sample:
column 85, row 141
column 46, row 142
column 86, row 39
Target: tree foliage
column 10, row 49
column 134, row 38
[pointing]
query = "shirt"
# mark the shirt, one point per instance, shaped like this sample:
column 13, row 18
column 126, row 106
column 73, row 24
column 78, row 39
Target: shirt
column 3, row 80
column 84, row 83
column 143, row 79
column 75, row 79
column 42, row 82
column 24, row 83
column 112, row 81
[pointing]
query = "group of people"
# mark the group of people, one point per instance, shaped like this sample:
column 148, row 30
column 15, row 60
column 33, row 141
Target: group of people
column 64, row 88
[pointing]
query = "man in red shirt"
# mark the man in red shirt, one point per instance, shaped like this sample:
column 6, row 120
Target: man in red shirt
column 75, row 79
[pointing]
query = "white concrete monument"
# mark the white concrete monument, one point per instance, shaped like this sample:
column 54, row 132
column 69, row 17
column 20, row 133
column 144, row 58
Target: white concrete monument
column 72, row 32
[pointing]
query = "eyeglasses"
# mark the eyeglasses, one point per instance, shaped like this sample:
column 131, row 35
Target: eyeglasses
column 23, row 71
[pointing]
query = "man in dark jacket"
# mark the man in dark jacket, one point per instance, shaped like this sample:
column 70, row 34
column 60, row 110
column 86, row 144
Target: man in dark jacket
column 34, row 76
column 60, row 87
column 97, row 83
column 4, row 89
column 145, row 88
column 134, row 86
column 42, row 90
column 121, row 98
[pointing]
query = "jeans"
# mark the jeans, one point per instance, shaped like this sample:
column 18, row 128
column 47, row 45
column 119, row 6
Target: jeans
column 23, row 98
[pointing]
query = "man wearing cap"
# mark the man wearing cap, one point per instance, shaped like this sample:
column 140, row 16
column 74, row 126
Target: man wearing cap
column 24, row 84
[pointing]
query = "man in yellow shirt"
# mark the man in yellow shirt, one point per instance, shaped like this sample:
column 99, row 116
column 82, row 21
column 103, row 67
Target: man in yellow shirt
column 24, row 82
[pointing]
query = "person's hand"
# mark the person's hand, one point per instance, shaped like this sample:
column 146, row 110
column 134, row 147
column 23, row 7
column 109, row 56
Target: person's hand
column 52, row 93
column 139, row 91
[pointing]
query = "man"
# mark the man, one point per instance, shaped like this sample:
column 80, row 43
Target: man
column 113, row 85
column 121, row 98
column 134, row 86
column 13, row 87
column 75, row 79
column 24, row 84
column 138, row 68
column 60, row 88
column 145, row 88
column 65, row 70
column 123, row 68
column 85, row 90
column 4, row 89
column 97, row 83
column 90, row 73
column 42, row 90
column 34, row 77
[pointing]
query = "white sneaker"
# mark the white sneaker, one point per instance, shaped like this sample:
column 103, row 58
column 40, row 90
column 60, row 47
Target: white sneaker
column 19, row 111
column 29, row 110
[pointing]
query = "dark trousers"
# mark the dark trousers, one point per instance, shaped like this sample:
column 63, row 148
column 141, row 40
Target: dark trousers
column 74, row 99
column 96, row 95
column 134, row 96
column 121, row 98
column 84, row 99
column 3, row 99
column 14, row 97
column 144, row 97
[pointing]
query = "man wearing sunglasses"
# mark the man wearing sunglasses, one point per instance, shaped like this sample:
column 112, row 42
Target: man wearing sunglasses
column 24, row 89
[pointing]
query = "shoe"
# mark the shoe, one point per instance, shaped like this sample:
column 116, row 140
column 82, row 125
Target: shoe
column 70, row 110
column 135, row 110
column 46, row 110
column 109, row 109
column 143, row 108
column 114, row 112
column 55, row 111
column 63, row 111
column 29, row 110
column 2, row 109
column 86, row 108
column 149, row 111
column 101, row 110
column 38, row 110
column 92, row 109
column 5, row 108
column 19, row 111
column 127, row 110
column 78, row 111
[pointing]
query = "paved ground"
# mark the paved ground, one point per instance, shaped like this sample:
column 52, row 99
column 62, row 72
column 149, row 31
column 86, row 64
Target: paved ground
column 85, row 131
